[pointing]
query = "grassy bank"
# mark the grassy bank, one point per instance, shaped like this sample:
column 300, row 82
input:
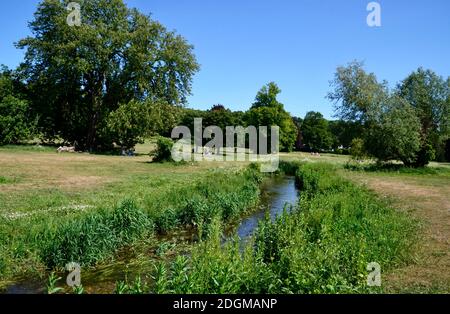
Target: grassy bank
column 322, row 247
column 44, row 226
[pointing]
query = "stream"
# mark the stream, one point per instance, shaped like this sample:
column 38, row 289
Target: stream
column 278, row 193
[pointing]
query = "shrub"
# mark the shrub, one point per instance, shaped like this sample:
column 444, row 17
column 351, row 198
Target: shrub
column 163, row 152
column 357, row 150
column 15, row 123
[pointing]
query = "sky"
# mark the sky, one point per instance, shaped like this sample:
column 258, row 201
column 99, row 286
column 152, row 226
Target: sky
column 243, row 44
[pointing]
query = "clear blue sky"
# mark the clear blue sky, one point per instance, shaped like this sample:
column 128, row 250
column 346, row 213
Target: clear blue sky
column 243, row 44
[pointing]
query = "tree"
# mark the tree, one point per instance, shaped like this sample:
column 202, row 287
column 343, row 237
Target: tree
column 357, row 96
column 15, row 123
column 129, row 124
column 397, row 133
column 357, row 149
column 299, row 141
column 343, row 133
column 267, row 111
column 428, row 93
column 316, row 133
column 267, row 96
column 389, row 122
column 77, row 75
column 16, row 120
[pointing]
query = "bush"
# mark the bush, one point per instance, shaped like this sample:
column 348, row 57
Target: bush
column 163, row 152
column 15, row 124
column 357, row 150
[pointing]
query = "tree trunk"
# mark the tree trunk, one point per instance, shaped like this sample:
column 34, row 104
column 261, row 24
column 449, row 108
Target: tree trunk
column 96, row 98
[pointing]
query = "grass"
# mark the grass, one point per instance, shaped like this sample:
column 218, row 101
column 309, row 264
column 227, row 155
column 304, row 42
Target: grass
column 60, row 207
column 70, row 207
column 323, row 247
column 425, row 195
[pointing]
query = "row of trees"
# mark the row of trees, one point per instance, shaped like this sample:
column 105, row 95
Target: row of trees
column 410, row 123
column 120, row 77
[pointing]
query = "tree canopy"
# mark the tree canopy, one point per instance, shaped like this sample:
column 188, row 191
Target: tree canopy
column 409, row 124
column 316, row 132
column 267, row 111
column 77, row 75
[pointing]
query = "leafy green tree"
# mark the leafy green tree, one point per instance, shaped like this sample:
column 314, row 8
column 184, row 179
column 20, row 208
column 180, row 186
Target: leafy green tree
column 17, row 122
column 344, row 132
column 267, row 111
column 316, row 133
column 163, row 152
column 77, row 75
column 391, row 127
column 219, row 116
column 267, row 96
column 397, row 133
column 129, row 123
column 357, row 149
column 428, row 93
column 357, row 95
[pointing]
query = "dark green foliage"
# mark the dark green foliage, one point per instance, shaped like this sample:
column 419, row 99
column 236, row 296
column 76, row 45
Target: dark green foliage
column 77, row 76
column 316, row 134
column 344, row 132
column 267, row 111
column 163, row 150
column 17, row 123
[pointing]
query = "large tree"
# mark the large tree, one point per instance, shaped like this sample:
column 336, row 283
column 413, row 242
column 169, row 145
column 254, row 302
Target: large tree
column 429, row 94
column 396, row 135
column 79, row 74
column 17, row 122
column 268, row 111
column 357, row 95
column 389, row 122
column 316, row 133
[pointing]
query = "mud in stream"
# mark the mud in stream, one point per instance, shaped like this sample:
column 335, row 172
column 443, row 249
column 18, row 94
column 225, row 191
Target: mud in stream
column 278, row 193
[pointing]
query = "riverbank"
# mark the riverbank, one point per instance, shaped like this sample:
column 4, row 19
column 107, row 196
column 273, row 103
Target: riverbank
column 326, row 245
column 50, row 216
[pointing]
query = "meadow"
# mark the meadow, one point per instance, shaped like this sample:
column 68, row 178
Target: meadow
column 57, row 208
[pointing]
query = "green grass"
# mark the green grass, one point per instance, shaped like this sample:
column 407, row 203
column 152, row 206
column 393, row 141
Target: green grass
column 323, row 247
column 48, row 228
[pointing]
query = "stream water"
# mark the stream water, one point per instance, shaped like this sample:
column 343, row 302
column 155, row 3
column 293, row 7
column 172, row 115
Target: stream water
column 278, row 193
